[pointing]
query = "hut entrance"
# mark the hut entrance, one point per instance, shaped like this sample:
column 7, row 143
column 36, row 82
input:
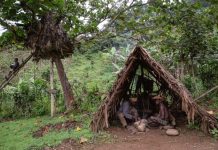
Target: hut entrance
column 142, row 87
column 143, row 103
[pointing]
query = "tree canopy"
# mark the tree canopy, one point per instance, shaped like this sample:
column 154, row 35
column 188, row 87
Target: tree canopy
column 80, row 18
column 182, row 34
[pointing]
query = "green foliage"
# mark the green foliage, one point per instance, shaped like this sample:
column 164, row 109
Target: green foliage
column 90, row 75
column 81, row 18
column 208, row 72
column 194, row 85
column 28, row 98
column 193, row 125
column 214, row 133
column 5, row 39
column 92, row 78
column 89, row 90
column 182, row 34
column 118, row 57
column 214, row 102
column 20, row 133
column 45, row 74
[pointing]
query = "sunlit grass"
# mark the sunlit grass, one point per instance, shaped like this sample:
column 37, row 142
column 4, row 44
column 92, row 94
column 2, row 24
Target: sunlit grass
column 17, row 135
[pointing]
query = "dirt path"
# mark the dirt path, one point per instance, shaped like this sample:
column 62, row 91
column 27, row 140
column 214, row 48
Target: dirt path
column 154, row 139
column 157, row 140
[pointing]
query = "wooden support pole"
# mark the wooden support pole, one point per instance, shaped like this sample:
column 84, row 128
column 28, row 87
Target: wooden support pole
column 68, row 93
column 53, row 106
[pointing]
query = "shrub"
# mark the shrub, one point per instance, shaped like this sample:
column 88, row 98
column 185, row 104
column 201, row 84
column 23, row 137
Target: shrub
column 194, row 125
column 214, row 133
column 88, row 97
column 194, row 85
column 27, row 98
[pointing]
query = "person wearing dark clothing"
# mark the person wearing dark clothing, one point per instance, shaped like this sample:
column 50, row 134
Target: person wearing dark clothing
column 14, row 67
column 164, row 116
column 16, row 64
column 127, row 112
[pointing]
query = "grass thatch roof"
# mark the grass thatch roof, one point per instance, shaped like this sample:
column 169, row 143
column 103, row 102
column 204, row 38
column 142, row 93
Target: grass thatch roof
column 177, row 90
column 48, row 39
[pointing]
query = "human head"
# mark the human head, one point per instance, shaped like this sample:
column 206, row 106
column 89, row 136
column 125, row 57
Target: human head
column 133, row 100
column 158, row 99
column 15, row 59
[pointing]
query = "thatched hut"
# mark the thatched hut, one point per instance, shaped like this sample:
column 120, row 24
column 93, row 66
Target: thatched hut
column 179, row 94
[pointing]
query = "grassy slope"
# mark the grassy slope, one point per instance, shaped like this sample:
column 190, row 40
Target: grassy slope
column 29, row 70
column 17, row 135
column 90, row 70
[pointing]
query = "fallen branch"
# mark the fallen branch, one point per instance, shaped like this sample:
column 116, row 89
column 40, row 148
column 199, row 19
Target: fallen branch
column 206, row 93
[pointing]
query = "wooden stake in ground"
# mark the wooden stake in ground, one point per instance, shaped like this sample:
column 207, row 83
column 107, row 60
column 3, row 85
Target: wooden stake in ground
column 53, row 106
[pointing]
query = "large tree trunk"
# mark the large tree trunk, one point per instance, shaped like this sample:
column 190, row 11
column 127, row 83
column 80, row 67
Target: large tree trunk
column 68, row 93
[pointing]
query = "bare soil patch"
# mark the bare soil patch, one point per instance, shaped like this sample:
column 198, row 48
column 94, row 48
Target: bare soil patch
column 6, row 120
column 67, row 144
column 69, row 124
column 154, row 139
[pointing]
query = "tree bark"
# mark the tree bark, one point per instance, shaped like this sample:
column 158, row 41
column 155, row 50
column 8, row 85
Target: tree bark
column 53, row 106
column 68, row 93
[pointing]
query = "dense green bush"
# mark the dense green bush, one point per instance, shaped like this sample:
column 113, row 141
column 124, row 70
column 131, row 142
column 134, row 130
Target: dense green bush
column 214, row 133
column 27, row 98
column 88, row 96
column 194, row 85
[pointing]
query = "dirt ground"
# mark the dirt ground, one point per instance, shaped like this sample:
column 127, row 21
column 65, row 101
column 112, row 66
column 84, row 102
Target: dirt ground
column 154, row 139
column 57, row 127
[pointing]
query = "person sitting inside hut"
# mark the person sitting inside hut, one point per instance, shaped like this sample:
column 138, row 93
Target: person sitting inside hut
column 164, row 116
column 127, row 112
column 13, row 67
